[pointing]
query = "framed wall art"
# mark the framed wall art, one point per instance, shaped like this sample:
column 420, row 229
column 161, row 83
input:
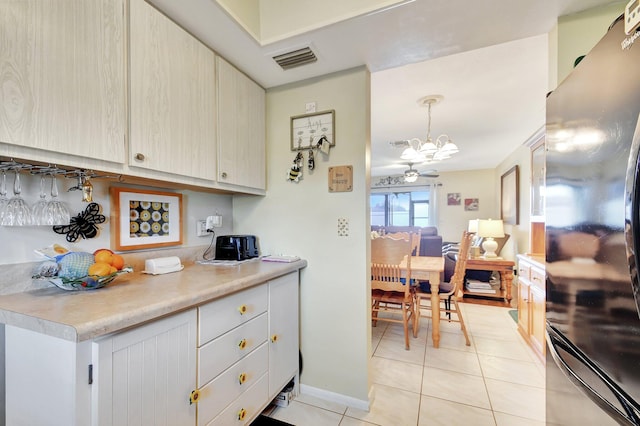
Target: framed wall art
column 471, row 204
column 313, row 130
column 509, row 196
column 142, row 219
column 454, row 199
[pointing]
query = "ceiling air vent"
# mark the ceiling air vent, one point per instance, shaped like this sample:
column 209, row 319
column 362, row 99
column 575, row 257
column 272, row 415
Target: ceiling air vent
column 295, row 58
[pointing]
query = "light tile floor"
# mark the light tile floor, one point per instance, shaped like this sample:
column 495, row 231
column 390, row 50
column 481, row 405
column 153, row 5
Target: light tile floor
column 496, row 381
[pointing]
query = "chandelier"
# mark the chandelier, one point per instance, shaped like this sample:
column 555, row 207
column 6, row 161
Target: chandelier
column 429, row 151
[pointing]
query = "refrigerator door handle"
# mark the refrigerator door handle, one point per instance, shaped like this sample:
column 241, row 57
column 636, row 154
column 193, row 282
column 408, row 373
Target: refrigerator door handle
column 556, row 340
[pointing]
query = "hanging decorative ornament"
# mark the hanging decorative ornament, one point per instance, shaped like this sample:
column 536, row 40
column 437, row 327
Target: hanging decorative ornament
column 82, row 225
column 87, row 190
column 295, row 173
column 311, row 162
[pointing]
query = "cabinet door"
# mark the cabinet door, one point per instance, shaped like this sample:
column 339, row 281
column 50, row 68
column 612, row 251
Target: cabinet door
column 537, row 319
column 524, row 306
column 241, row 131
column 172, row 105
column 62, row 81
column 145, row 376
column 283, row 331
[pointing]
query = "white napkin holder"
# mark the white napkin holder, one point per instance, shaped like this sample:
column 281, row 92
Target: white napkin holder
column 162, row 265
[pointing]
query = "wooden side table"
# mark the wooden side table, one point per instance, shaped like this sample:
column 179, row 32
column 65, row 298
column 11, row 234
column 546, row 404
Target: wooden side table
column 504, row 267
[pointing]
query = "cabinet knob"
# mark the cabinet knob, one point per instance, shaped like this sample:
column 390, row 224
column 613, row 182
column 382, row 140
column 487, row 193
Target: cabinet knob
column 242, row 309
column 242, row 414
column 274, row 338
column 194, row 397
column 224, row 175
column 242, row 378
column 139, row 156
column 242, row 344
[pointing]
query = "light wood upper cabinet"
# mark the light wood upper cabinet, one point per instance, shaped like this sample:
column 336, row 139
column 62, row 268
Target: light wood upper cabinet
column 173, row 97
column 241, row 131
column 62, row 84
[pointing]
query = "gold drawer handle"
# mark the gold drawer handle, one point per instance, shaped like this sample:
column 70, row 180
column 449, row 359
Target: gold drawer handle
column 274, row 338
column 194, row 397
column 242, row 344
column 242, row 309
column 242, row 378
column 139, row 156
column 242, row 414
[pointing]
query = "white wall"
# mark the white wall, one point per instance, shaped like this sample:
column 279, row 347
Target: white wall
column 301, row 219
column 579, row 32
column 19, row 243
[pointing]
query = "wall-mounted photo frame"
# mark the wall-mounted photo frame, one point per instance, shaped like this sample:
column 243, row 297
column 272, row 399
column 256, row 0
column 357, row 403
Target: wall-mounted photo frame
column 312, row 130
column 509, row 196
column 454, row 199
column 471, row 204
column 142, row 219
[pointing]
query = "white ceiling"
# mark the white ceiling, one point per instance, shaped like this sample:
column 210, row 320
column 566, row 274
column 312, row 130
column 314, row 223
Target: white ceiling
column 487, row 58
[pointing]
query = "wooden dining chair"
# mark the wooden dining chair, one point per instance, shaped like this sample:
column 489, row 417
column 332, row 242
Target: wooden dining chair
column 414, row 236
column 390, row 292
column 448, row 291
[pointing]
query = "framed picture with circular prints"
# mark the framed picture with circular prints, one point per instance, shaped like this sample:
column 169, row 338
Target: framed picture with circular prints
column 142, row 219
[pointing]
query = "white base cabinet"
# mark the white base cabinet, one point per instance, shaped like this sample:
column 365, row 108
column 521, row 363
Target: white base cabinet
column 220, row 363
column 145, row 376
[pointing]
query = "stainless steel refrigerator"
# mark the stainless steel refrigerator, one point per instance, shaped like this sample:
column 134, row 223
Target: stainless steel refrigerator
column 592, row 209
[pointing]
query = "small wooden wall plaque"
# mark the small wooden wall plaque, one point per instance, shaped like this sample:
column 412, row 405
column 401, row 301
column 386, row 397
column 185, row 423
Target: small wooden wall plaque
column 341, row 179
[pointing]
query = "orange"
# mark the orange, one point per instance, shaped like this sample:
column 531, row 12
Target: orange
column 112, row 269
column 117, row 261
column 99, row 269
column 103, row 256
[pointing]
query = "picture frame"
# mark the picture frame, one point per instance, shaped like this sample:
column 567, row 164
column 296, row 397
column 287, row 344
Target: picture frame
column 142, row 219
column 509, row 196
column 310, row 130
column 454, row 199
column 471, row 204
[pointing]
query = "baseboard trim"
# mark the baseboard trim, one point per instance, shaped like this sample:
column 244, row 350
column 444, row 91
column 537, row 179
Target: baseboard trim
column 349, row 401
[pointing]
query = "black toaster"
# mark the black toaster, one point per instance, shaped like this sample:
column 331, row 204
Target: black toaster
column 236, row 247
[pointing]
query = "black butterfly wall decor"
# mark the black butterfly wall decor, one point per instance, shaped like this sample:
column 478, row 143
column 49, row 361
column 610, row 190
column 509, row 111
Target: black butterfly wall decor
column 82, row 225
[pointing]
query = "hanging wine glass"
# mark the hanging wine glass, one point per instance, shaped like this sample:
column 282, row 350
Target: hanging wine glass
column 17, row 212
column 3, row 195
column 56, row 212
column 40, row 206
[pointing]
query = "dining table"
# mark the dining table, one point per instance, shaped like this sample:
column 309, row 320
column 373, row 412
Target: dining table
column 428, row 268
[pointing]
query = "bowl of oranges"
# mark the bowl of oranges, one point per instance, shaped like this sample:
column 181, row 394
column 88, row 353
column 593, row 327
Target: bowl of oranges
column 86, row 271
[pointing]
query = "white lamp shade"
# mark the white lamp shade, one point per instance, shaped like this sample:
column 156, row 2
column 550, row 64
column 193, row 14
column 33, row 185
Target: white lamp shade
column 490, row 228
column 409, row 153
column 473, row 226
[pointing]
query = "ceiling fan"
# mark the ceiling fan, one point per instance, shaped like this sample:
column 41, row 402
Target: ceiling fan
column 411, row 174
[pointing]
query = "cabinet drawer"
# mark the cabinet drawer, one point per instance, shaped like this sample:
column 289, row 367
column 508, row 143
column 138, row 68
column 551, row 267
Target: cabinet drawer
column 222, row 315
column 246, row 408
column 228, row 386
column 524, row 270
column 217, row 355
column 537, row 278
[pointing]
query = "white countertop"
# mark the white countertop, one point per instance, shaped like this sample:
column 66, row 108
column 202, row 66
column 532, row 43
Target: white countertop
column 132, row 299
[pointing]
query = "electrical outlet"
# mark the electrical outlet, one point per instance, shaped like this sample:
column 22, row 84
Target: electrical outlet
column 214, row 221
column 343, row 227
column 201, row 228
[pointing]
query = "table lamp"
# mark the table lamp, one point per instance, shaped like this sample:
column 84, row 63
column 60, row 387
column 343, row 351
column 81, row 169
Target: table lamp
column 490, row 229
